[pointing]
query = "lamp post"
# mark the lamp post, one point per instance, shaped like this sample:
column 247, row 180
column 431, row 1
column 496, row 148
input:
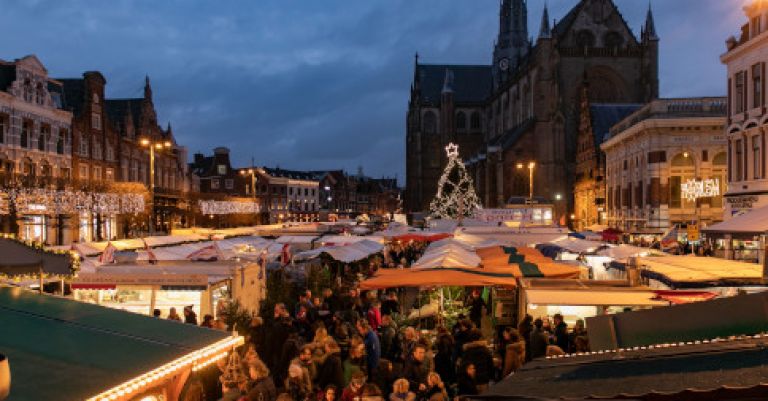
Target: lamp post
column 531, row 166
column 152, row 145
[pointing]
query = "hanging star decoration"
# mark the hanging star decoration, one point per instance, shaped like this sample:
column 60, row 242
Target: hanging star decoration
column 456, row 195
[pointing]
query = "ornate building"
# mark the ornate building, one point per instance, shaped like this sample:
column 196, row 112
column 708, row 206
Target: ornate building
column 745, row 59
column 595, row 122
column 527, row 102
column 35, row 146
column 651, row 156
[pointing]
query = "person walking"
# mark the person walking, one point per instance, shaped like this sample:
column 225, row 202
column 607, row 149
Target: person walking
column 372, row 347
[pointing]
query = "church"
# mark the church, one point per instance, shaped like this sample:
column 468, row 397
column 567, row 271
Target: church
column 523, row 110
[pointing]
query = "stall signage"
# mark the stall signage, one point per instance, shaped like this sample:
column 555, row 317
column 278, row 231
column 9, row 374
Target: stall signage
column 741, row 202
column 693, row 232
column 695, row 189
column 142, row 279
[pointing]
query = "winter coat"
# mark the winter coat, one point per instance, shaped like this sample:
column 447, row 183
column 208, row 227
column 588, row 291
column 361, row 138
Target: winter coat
column 409, row 396
column 262, row 390
column 231, row 395
column 539, row 342
column 478, row 354
column 466, row 385
column 445, row 367
column 514, row 357
column 331, row 371
column 416, row 373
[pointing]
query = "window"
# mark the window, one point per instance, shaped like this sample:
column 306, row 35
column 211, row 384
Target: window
column 229, row 183
column 60, row 141
column 756, row 157
column 109, row 174
column 719, row 164
column 739, row 162
column 83, row 146
column 97, row 173
column 110, row 152
column 461, row 120
column 97, row 149
column 214, row 183
column 221, row 169
column 40, row 94
column 26, row 131
column 134, row 170
column 757, row 26
column 95, row 98
column 96, row 121
column 430, row 123
column 585, row 39
column 83, row 171
column 675, row 192
column 474, row 121
column 739, row 93
column 41, row 142
column 757, row 85
column 613, row 40
column 3, row 127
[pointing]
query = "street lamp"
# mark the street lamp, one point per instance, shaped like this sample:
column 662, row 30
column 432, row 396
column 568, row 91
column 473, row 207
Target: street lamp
column 531, row 167
column 153, row 145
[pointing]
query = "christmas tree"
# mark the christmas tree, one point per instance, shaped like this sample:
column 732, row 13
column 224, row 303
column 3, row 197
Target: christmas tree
column 456, row 197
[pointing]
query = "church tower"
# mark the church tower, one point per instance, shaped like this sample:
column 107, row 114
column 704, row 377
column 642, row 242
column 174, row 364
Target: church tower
column 512, row 43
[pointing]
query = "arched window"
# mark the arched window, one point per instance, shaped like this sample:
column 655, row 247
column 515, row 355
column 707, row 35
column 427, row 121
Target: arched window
column 40, row 94
column 474, row 121
column 585, row 39
column 719, row 172
column 26, row 131
column 28, row 90
column 613, row 40
column 429, row 123
column 461, row 120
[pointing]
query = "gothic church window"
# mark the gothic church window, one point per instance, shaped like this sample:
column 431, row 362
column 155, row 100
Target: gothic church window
column 613, row 40
column 461, row 120
column 585, row 39
column 430, row 123
column 474, row 121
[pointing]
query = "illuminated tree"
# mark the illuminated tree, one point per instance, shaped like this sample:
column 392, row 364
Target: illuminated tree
column 456, row 197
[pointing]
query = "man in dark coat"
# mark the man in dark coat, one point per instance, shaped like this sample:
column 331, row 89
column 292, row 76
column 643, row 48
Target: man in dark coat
column 416, row 370
column 539, row 340
column 561, row 332
column 476, row 305
column 331, row 369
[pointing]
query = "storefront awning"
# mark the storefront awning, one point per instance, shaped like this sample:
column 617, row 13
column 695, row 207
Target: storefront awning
column 592, row 297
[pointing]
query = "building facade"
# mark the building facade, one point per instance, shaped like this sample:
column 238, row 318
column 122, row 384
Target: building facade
column 35, row 148
column 290, row 195
column 528, row 102
column 595, row 122
column 652, row 158
column 745, row 60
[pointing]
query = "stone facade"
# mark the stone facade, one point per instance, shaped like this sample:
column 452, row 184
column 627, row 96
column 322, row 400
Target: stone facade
column 746, row 59
column 653, row 152
column 35, row 142
column 530, row 111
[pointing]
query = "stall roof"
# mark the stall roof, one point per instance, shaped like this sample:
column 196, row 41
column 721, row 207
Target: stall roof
column 214, row 271
column 296, row 239
column 345, row 253
column 334, row 240
column 704, row 371
column 593, row 297
column 695, row 271
column 624, row 251
column 576, row 245
column 19, row 259
column 395, row 278
column 753, row 222
column 61, row 349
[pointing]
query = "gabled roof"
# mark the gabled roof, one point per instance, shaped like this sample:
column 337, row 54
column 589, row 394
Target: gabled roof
column 73, row 94
column 60, row 349
column 605, row 116
column 564, row 25
column 117, row 109
column 471, row 83
column 201, row 169
column 293, row 174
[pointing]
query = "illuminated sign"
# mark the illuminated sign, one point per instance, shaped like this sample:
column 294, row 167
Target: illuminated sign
column 695, row 189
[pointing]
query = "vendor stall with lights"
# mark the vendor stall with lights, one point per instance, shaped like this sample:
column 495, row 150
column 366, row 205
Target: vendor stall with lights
column 59, row 349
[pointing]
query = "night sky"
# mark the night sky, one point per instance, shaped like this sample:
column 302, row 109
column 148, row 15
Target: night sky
column 314, row 84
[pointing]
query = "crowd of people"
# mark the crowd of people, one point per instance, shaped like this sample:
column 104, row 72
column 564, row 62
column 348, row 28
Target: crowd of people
column 350, row 347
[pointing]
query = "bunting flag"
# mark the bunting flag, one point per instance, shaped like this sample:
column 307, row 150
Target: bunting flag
column 669, row 239
column 285, row 255
column 151, row 257
column 108, row 256
column 262, row 263
column 209, row 253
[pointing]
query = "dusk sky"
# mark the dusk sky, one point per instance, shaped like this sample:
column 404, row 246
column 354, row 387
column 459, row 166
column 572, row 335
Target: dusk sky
column 314, row 84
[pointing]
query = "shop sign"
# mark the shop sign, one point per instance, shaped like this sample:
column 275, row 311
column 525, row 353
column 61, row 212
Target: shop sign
column 142, row 279
column 741, row 202
column 519, row 214
column 693, row 232
column 695, row 189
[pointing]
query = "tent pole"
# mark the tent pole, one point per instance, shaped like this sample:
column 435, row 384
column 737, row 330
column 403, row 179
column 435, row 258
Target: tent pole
column 40, row 274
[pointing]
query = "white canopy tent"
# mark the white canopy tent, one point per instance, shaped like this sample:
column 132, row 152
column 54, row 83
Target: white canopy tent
column 576, row 245
column 624, row 251
column 447, row 255
column 754, row 222
column 345, row 253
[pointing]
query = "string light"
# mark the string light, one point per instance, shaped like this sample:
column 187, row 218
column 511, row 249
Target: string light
column 74, row 259
column 454, row 199
column 53, row 202
column 211, row 207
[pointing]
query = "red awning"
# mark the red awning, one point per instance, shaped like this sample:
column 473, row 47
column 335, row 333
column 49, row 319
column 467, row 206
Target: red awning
column 684, row 297
column 422, row 237
column 86, row 286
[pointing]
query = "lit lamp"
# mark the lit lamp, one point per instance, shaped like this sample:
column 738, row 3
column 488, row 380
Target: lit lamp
column 153, row 145
column 531, row 167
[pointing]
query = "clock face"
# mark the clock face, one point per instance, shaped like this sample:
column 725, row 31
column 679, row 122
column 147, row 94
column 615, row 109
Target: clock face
column 504, row 64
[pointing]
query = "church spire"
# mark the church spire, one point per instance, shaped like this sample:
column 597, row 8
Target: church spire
column 545, row 32
column 650, row 26
column 147, row 88
column 512, row 43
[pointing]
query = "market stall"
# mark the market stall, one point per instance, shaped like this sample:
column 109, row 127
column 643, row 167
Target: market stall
column 347, row 253
column 59, row 349
column 30, row 265
column 740, row 237
column 142, row 288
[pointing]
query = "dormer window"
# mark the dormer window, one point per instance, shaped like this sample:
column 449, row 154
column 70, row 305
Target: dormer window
column 757, row 26
column 96, row 121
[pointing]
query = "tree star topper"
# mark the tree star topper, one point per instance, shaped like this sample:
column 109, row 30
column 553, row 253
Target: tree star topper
column 452, row 149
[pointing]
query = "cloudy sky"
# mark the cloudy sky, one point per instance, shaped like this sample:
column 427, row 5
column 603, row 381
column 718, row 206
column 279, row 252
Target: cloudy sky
column 309, row 84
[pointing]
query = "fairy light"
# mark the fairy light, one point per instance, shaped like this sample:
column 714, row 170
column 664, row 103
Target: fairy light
column 454, row 198
column 48, row 201
column 212, row 207
column 197, row 360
